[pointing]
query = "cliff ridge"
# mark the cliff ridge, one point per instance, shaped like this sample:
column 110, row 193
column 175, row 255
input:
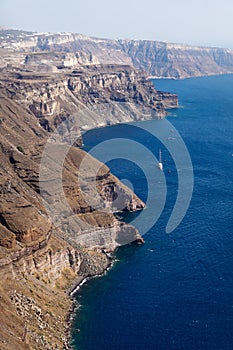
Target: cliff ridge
column 157, row 58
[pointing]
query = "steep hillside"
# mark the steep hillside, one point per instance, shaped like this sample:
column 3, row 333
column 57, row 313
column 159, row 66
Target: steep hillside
column 40, row 259
column 58, row 227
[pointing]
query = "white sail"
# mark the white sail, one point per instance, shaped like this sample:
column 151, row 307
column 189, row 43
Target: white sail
column 160, row 164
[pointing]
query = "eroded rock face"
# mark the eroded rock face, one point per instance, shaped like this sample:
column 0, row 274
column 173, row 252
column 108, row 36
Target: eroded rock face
column 21, row 208
column 158, row 59
column 7, row 238
column 51, row 98
column 52, row 232
column 38, row 259
column 167, row 60
column 96, row 50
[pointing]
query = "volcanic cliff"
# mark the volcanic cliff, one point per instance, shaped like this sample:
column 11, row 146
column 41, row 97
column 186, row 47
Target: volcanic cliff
column 158, row 59
column 47, row 246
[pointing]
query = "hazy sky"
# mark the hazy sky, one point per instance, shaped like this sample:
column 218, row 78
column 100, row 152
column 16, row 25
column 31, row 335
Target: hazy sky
column 207, row 22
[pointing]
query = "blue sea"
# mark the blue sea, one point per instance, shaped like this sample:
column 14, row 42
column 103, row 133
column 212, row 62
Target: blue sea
column 175, row 291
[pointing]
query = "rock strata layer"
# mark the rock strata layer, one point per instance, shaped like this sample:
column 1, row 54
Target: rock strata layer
column 158, row 59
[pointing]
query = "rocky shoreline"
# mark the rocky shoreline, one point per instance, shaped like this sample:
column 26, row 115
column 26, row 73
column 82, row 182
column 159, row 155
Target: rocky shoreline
column 72, row 291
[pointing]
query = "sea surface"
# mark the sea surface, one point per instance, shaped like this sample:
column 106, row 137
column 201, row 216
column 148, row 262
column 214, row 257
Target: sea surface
column 175, row 291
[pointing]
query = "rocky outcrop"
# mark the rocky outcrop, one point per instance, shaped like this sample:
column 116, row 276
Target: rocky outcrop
column 53, row 97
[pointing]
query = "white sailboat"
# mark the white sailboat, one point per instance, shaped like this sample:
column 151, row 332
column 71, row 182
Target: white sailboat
column 160, row 164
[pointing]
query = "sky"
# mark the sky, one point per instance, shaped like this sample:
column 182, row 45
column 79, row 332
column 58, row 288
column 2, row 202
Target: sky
column 202, row 22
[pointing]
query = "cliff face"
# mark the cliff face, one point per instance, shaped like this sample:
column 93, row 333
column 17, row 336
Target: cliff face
column 62, row 232
column 53, row 96
column 157, row 58
column 21, row 146
column 34, row 103
column 38, row 259
column 100, row 51
column 178, row 61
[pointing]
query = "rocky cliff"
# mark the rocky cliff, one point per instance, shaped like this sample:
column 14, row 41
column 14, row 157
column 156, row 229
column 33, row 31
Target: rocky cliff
column 43, row 251
column 165, row 60
column 51, row 97
column 157, row 58
column 38, row 258
column 58, row 228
